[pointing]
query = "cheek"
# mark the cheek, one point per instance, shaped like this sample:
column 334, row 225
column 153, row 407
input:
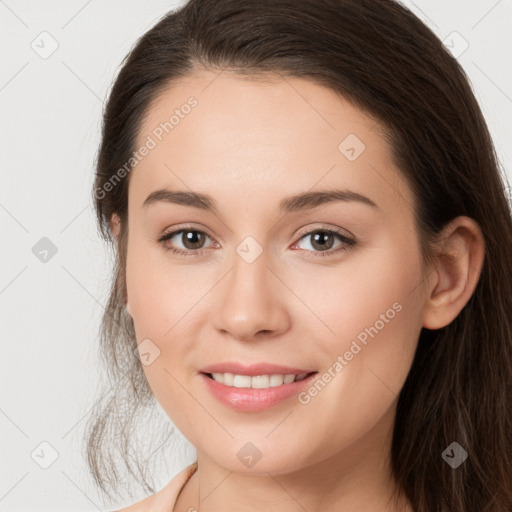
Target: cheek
column 364, row 365
column 159, row 293
column 164, row 303
column 370, row 320
column 369, row 294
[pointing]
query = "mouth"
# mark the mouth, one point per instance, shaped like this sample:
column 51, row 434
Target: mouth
column 256, row 392
column 263, row 381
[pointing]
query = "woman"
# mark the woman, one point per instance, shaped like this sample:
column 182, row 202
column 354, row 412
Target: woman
column 314, row 257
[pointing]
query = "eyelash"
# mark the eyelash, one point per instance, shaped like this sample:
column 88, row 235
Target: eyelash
column 348, row 243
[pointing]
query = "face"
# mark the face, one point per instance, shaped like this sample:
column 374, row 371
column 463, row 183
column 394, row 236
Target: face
column 327, row 284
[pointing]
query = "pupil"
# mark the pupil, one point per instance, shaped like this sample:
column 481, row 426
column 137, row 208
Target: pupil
column 321, row 236
column 190, row 239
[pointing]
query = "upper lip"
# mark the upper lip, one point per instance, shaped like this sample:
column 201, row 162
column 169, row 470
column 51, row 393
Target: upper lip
column 253, row 369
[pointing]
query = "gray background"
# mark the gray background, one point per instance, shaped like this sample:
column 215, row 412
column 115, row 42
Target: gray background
column 49, row 311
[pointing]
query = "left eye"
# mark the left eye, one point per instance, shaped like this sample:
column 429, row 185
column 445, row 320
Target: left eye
column 322, row 240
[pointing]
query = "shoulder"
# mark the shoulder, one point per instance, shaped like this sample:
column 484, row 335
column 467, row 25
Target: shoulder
column 144, row 505
column 166, row 497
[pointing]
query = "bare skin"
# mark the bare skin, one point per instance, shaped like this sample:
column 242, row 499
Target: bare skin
column 250, row 144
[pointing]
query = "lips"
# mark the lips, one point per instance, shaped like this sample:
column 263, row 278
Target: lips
column 254, row 387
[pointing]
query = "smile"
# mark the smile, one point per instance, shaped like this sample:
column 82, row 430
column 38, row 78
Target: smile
column 254, row 393
column 256, row 381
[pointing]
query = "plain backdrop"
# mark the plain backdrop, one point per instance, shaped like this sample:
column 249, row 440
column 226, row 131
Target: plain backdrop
column 51, row 109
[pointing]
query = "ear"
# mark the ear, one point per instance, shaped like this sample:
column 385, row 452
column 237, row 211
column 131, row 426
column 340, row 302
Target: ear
column 459, row 261
column 115, row 224
column 115, row 228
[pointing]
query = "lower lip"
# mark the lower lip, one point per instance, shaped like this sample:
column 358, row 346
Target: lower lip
column 253, row 400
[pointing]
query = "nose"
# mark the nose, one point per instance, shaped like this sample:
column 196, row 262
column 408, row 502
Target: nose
column 250, row 301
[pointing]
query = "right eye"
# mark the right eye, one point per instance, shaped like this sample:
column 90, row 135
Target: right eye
column 191, row 239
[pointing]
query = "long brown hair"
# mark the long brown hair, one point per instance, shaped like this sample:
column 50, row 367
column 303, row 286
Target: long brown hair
column 381, row 57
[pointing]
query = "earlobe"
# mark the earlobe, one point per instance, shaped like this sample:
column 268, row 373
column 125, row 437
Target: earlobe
column 458, row 262
column 115, row 224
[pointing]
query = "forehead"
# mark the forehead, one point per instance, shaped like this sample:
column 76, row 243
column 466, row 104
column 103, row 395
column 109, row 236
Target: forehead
column 218, row 132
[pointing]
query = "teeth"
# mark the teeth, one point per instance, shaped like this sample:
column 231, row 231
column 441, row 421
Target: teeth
column 256, row 382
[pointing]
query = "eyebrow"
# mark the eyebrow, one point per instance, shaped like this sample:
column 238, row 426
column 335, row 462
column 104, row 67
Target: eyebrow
column 294, row 203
